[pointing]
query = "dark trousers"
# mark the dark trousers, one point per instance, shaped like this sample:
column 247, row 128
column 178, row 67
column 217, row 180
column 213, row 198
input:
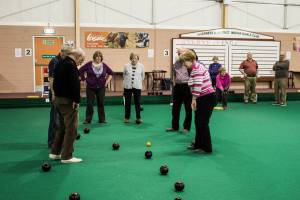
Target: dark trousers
column 53, row 123
column 222, row 96
column 213, row 82
column 137, row 102
column 91, row 94
column 182, row 94
column 205, row 106
column 66, row 132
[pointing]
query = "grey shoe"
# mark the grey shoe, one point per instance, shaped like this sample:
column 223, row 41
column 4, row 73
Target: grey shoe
column 54, row 157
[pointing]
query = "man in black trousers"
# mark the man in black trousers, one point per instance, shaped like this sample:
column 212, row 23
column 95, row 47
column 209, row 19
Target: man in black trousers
column 181, row 95
column 53, row 123
column 67, row 98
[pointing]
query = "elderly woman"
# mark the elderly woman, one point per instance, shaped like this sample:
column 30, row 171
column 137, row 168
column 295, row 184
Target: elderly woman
column 97, row 76
column 214, row 70
column 203, row 101
column 133, row 75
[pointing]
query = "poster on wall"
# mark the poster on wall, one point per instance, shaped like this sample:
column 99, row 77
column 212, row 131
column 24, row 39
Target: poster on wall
column 296, row 44
column 116, row 40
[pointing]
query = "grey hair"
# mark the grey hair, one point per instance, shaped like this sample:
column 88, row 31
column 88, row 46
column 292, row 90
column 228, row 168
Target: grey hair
column 77, row 52
column 66, row 49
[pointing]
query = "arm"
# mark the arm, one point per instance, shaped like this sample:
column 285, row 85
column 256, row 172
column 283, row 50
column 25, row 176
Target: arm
column 219, row 82
column 51, row 79
column 195, row 82
column 229, row 82
column 143, row 72
column 256, row 69
column 75, row 84
column 210, row 69
column 275, row 67
column 242, row 69
column 82, row 71
column 109, row 72
column 286, row 65
column 124, row 71
column 173, row 75
column 52, row 64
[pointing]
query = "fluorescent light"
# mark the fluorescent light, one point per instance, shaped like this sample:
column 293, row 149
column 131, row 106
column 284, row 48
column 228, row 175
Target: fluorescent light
column 49, row 30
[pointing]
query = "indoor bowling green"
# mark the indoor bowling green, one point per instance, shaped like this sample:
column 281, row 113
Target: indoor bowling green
column 255, row 161
column 149, row 100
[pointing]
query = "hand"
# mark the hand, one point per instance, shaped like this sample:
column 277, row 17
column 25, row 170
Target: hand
column 53, row 98
column 75, row 106
column 194, row 105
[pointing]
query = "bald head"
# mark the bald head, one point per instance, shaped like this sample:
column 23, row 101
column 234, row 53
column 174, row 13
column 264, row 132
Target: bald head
column 281, row 56
column 249, row 56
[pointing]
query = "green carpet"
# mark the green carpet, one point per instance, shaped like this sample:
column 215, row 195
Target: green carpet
column 256, row 157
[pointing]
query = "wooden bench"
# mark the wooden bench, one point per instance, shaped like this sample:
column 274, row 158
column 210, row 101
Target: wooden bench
column 268, row 79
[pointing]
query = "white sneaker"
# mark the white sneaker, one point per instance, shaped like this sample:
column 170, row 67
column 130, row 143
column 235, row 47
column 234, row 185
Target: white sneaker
column 54, row 157
column 72, row 160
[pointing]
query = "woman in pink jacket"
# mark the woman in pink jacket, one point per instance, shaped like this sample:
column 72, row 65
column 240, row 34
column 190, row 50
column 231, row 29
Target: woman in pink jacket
column 203, row 101
column 222, row 85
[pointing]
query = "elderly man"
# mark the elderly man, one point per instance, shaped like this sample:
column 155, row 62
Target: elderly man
column 181, row 95
column 65, row 49
column 66, row 87
column 281, row 69
column 249, row 69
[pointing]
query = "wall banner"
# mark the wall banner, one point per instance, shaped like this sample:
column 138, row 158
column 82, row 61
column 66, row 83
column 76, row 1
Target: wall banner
column 116, row 40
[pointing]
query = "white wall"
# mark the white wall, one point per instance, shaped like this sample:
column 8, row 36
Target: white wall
column 185, row 14
column 115, row 12
column 138, row 13
column 264, row 17
column 191, row 14
column 37, row 12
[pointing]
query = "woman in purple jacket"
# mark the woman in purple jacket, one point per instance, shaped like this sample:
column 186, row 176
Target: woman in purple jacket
column 97, row 76
column 214, row 70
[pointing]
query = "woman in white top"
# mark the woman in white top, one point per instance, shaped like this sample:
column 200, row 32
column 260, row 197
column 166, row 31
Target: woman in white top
column 133, row 75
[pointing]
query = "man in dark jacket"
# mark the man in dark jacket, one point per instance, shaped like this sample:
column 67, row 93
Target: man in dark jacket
column 281, row 69
column 66, row 87
column 53, row 113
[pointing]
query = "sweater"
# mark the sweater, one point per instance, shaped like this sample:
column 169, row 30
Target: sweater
column 199, row 81
column 133, row 76
column 66, row 80
column 91, row 78
column 223, row 82
column 214, row 70
column 281, row 69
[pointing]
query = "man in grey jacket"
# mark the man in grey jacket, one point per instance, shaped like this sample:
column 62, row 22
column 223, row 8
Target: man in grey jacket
column 281, row 69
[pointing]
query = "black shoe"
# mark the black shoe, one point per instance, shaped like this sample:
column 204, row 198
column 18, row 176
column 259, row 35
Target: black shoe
column 102, row 122
column 86, row 122
column 193, row 147
column 171, row 130
column 276, row 103
column 138, row 121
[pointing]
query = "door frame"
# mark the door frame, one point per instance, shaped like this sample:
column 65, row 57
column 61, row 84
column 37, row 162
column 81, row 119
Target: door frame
column 33, row 54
